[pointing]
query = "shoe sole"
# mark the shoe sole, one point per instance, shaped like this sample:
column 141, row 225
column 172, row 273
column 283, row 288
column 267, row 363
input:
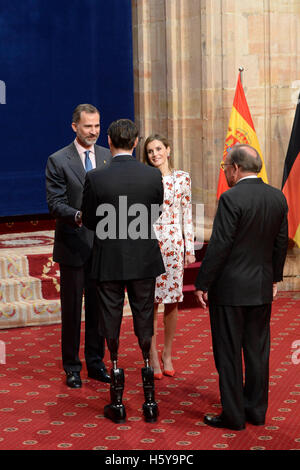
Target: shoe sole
column 224, row 426
column 99, row 380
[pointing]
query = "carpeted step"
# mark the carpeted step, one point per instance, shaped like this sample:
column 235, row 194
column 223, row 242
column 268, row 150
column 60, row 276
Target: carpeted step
column 29, row 280
column 28, row 288
column 190, row 273
column 29, row 313
column 13, row 265
column 189, row 299
column 200, row 250
column 19, row 289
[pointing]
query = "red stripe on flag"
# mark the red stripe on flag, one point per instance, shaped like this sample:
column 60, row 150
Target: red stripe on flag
column 291, row 190
column 222, row 184
column 240, row 103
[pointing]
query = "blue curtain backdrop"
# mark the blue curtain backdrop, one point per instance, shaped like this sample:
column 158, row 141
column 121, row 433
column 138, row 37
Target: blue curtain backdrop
column 54, row 55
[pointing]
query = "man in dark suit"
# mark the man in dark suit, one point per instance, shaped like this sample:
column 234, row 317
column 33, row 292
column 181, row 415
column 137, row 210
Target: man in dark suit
column 65, row 174
column 244, row 261
column 126, row 253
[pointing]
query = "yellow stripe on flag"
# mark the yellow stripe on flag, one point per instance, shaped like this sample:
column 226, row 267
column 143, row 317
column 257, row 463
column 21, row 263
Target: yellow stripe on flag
column 239, row 131
column 297, row 236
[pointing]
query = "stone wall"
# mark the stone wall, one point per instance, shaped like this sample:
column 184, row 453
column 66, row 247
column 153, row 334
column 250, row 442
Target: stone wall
column 186, row 59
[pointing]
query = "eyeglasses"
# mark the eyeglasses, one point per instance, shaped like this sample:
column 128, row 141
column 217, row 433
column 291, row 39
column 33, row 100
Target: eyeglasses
column 223, row 164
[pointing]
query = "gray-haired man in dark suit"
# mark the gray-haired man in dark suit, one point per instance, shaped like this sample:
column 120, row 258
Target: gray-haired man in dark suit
column 244, row 261
column 65, row 176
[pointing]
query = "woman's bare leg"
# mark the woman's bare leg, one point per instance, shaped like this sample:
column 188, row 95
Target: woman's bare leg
column 170, row 322
column 154, row 359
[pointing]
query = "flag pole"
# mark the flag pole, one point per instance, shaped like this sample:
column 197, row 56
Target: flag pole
column 241, row 70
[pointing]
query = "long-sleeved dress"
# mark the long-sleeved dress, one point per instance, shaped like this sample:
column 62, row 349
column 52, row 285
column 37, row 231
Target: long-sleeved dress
column 174, row 230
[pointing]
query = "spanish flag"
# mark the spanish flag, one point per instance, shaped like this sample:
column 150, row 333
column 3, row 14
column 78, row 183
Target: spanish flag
column 240, row 131
column 291, row 179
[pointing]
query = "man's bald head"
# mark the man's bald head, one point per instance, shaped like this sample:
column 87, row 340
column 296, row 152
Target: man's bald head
column 246, row 158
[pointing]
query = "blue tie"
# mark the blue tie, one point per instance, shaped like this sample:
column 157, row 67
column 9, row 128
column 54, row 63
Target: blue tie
column 88, row 163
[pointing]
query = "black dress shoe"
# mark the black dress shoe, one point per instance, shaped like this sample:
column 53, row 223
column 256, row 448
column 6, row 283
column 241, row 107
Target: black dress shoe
column 73, row 379
column 116, row 413
column 219, row 422
column 99, row 374
column 256, row 422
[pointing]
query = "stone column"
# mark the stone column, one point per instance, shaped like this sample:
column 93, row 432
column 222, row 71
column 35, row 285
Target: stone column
column 186, row 59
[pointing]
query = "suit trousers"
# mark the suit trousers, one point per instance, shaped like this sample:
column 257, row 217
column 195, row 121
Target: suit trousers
column 111, row 296
column 237, row 330
column 74, row 282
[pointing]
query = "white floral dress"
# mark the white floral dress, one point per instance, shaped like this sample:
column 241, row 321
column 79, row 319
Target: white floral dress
column 174, row 223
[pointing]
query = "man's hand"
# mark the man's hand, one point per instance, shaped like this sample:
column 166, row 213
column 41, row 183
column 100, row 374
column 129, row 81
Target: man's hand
column 274, row 289
column 201, row 298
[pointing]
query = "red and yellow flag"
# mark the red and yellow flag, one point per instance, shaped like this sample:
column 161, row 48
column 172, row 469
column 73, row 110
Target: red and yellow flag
column 240, row 130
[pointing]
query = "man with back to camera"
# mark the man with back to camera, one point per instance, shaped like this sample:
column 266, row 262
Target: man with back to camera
column 238, row 276
column 65, row 174
column 123, row 259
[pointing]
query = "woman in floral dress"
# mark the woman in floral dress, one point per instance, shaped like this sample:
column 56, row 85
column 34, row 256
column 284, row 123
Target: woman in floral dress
column 174, row 230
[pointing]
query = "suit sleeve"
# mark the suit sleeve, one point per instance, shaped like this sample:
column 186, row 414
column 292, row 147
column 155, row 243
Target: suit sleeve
column 280, row 247
column 223, row 235
column 56, row 190
column 89, row 205
column 157, row 197
column 161, row 193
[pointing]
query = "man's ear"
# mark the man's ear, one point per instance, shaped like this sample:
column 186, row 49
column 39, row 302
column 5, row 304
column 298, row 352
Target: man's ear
column 136, row 142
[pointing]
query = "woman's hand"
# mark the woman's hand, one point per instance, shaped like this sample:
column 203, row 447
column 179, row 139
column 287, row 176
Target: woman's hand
column 189, row 259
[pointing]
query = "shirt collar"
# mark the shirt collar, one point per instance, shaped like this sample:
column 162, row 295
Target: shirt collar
column 81, row 149
column 248, row 177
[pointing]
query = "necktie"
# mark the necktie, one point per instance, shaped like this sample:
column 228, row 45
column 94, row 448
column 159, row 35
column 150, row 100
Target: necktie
column 88, row 163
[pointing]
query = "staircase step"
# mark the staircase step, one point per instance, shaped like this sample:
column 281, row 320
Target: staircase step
column 29, row 313
column 200, row 250
column 19, row 289
column 190, row 273
column 28, row 288
column 13, row 265
column 189, row 299
column 188, row 288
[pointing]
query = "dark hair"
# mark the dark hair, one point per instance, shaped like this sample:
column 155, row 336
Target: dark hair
column 123, row 134
column 245, row 157
column 88, row 108
column 161, row 139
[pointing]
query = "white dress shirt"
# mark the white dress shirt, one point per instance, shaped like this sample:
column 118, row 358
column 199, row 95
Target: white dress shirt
column 81, row 151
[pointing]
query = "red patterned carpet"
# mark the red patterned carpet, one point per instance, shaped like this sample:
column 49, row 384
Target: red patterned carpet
column 38, row 412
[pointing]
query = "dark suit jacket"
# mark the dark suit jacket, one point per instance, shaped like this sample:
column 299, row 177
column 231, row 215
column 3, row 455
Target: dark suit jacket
column 248, row 246
column 65, row 176
column 121, row 257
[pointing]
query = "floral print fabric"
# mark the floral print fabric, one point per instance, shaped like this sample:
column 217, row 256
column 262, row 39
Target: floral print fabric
column 174, row 230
